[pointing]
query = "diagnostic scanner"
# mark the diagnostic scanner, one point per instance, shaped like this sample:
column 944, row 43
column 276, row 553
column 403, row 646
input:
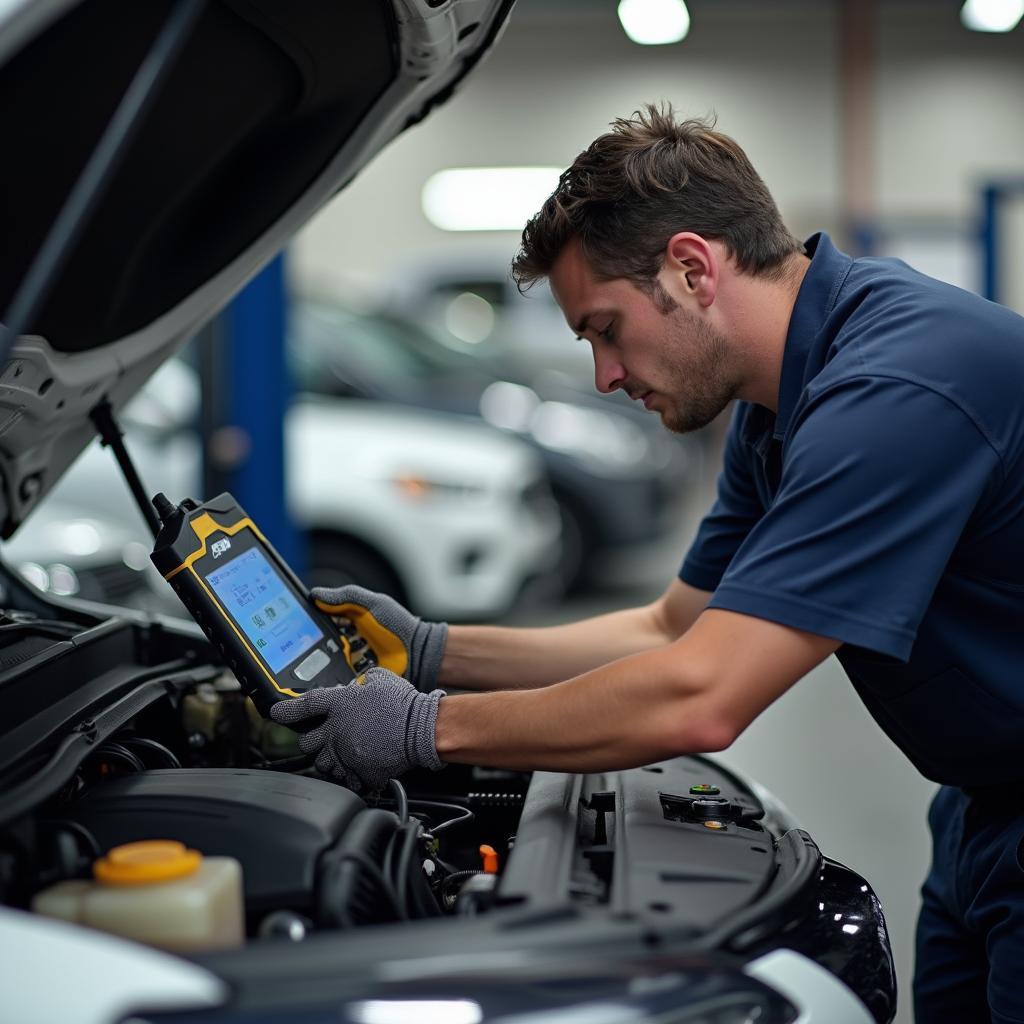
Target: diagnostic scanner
column 252, row 607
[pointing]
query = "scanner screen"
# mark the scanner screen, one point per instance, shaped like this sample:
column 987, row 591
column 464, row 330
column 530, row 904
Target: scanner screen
column 264, row 608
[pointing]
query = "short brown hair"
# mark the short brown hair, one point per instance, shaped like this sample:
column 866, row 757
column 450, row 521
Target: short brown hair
column 639, row 184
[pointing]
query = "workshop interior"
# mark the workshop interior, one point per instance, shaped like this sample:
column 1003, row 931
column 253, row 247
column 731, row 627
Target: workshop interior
column 258, row 334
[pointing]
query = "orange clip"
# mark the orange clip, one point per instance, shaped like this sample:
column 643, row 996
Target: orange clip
column 490, row 856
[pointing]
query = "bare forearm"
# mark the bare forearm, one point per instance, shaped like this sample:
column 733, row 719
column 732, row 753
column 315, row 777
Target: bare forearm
column 505, row 658
column 696, row 694
column 624, row 714
column 498, row 658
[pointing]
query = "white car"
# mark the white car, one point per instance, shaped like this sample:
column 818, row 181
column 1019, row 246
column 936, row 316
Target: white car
column 449, row 515
column 461, row 516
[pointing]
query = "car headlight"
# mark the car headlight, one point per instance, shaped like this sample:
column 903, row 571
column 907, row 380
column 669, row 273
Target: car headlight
column 415, row 487
column 56, row 579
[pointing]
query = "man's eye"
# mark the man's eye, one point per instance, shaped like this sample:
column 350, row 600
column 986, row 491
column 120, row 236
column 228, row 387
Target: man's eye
column 608, row 334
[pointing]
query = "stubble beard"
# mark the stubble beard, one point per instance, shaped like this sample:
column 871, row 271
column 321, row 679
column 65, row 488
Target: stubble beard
column 698, row 384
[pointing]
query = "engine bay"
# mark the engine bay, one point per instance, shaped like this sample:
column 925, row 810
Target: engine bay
column 196, row 763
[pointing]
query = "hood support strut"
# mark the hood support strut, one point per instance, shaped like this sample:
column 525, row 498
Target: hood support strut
column 112, row 438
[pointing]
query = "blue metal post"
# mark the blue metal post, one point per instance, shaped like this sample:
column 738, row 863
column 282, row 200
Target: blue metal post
column 256, row 396
column 989, row 239
column 864, row 237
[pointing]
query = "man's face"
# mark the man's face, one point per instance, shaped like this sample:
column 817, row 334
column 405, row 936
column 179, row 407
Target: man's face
column 644, row 343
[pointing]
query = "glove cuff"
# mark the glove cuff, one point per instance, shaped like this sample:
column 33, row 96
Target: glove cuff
column 427, row 652
column 419, row 736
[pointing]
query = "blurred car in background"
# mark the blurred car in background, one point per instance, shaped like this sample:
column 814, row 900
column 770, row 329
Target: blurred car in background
column 449, row 515
column 619, row 478
column 69, row 552
column 87, row 538
column 470, row 292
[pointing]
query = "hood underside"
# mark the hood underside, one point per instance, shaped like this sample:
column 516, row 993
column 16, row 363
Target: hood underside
column 268, row 109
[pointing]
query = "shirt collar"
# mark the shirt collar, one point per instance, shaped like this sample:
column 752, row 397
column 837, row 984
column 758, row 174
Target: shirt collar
column 815, row 299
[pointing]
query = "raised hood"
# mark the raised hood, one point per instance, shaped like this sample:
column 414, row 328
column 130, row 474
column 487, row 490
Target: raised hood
column 269, row 108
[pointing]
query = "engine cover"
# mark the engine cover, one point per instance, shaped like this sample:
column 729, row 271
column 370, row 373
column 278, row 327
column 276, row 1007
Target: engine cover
column 276, row 825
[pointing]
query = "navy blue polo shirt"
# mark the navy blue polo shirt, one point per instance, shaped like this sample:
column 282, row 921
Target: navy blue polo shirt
column 883, row 506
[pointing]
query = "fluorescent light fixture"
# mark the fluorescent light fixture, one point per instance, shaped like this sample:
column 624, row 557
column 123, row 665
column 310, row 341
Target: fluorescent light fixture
column 654, row 22
column 487, row 198
column 992, row 15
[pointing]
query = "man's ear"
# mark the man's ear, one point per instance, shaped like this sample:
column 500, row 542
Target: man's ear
column 691, row 267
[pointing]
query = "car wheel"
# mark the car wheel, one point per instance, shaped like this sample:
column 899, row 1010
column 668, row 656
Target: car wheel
column 336, row 561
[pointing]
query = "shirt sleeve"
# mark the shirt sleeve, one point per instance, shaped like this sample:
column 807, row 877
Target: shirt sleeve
column 736, row 509
column 880, row 478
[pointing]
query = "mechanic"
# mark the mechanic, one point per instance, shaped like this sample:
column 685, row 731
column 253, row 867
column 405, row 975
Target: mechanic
column 870, row 505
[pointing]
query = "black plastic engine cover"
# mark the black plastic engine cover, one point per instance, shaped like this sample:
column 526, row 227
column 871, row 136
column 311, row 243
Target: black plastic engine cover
column 276, row 825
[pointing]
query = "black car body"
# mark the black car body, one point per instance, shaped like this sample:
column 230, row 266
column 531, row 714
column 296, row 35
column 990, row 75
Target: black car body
column 675, row 891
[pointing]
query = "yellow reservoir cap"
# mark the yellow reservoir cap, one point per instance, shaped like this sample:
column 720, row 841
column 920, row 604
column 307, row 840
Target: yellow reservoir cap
column 153, row 860
column 490, row 858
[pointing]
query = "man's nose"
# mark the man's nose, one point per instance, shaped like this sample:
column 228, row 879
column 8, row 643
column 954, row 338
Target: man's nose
column 609, row 373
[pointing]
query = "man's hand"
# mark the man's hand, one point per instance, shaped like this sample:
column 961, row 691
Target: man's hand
column 376, row 728
column 401, row 642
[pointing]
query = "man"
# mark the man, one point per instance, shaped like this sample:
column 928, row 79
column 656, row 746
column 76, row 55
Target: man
column 869, row 506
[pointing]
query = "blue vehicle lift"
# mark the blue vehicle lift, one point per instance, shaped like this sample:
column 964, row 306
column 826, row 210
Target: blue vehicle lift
column 246, row 392
column 993, row 197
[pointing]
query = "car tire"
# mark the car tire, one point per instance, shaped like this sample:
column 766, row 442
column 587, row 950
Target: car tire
column 334, row 561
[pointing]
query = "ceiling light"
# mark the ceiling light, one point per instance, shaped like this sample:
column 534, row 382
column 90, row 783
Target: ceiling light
column 992, row 15
column 654, row 22
column 487, row 198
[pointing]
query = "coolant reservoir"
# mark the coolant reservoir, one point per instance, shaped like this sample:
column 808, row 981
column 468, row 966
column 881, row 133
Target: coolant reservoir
column 157, row 892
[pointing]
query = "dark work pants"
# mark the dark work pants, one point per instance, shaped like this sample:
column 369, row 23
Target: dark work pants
column 970, row 935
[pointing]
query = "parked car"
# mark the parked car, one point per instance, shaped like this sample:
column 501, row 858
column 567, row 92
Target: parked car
column 619, row 478
column 470, row 292
column 674, row 891
column 448, row 515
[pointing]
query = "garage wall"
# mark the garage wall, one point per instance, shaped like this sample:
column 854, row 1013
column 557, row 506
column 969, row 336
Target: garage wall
column 947, row 109
column 555, row 82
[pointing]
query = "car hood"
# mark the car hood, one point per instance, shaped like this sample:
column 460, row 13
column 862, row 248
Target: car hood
column 268, row 109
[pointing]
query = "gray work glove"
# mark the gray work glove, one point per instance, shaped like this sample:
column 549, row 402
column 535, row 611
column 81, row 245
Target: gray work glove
column 398, row 640
column 377, row 728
